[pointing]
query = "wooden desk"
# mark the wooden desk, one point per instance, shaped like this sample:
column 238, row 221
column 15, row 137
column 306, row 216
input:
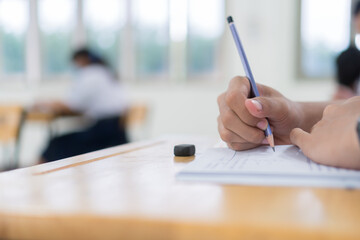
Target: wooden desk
column 47, row 117
column 40, row 116
column 129, row 192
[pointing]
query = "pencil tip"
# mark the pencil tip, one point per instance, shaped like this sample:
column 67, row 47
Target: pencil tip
column 270, row 139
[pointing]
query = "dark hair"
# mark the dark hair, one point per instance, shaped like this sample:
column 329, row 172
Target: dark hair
column 86, row 53
column 348, row 66
column 93, row 58
column 357, row 8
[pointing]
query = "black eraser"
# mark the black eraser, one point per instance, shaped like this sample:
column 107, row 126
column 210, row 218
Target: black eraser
column 229, row 19
column 184, row 150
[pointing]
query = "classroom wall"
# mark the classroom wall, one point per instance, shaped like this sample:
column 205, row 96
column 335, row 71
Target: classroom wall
column 268, row 31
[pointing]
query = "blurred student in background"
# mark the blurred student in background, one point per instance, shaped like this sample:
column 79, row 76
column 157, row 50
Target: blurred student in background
column 96, row 94
column 348, row 66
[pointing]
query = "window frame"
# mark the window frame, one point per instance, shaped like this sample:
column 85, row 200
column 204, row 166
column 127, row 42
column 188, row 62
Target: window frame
column 127, row 47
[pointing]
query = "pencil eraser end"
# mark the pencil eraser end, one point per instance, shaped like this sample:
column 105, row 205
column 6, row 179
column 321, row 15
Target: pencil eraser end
column 184, row 150
column 229, row 19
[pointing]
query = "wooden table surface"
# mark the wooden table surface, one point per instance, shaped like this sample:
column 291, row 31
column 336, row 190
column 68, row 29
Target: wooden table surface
column 129, row 192
column 46, row 117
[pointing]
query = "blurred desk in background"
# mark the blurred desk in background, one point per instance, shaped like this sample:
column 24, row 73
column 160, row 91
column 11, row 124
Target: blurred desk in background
column 136, row 117
column 129, row 192
column 40, row 116
column 46, row 117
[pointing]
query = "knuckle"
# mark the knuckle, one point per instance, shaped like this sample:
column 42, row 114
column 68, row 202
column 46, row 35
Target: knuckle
column 239, row 146
column 220, row 99
column 256, row 137
column 330, row 109
column 231, row 97
column 229, row 145
column 239, row 79
column 225, row 135
column 242, row 80
column 235, row 79
column 227, row 118
column 219, row 122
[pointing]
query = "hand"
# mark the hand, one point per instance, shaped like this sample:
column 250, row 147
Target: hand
column 52, row 107
column 242, row 121
column 42, row 106
column 333, row 140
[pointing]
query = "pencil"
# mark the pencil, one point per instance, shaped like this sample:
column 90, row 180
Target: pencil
column 268, row 133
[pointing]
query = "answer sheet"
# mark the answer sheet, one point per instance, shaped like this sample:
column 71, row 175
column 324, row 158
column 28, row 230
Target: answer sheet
column 288, row 166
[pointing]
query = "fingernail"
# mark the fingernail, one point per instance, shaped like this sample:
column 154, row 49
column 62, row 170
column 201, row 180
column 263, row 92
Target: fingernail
column 265, row 141
column 262, row 124
column 257, row 105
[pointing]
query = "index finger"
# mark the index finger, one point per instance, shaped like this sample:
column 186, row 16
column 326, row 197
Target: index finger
column 238, row 92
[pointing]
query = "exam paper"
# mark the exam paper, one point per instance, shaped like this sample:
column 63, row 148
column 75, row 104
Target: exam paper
column 288, row 166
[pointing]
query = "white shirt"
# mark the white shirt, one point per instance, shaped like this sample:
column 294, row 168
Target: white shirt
column 96, row 93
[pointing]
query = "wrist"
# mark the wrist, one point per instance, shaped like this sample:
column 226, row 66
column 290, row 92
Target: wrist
column 309, row 114
column 304, row 116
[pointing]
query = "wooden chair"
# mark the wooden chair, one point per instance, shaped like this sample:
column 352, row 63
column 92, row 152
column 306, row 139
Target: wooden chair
column 11, row 121
column 136, row 120
column 136, row 115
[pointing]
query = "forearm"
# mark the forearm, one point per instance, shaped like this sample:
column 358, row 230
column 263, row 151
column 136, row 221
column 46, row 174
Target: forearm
column 55, row 107
column 62, row 108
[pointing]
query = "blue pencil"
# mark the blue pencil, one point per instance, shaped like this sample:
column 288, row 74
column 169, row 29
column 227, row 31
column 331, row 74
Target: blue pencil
column 268, row 134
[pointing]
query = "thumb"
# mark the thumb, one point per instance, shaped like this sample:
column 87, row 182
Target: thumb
column 301, row 139
column 262, row 107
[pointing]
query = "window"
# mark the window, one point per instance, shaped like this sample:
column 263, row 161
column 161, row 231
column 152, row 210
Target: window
column 143, row 39
column 205, row 30
column 104, row 20
column 151, row 36
column 56, row 19
column 325, row 32
column 13, row 24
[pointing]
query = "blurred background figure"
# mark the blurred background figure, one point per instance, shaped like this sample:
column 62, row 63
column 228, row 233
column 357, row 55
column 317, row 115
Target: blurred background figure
column 96, row 94
column 348, row 65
